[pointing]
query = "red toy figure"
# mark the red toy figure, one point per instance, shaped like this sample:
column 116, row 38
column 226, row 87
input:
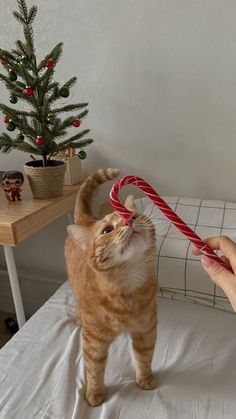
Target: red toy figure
column 11, row 182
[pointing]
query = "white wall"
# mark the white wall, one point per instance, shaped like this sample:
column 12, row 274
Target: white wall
column 160, row 77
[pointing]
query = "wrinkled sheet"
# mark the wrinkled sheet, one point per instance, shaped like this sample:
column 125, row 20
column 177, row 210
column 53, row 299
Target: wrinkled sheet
column 42, row 370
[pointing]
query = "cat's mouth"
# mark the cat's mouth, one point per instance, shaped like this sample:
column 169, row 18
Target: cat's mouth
column 132, row 234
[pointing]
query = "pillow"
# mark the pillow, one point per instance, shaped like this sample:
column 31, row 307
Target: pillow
column 180, row 273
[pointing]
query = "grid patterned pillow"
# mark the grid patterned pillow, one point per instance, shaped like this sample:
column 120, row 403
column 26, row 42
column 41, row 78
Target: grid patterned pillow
column 180, row 273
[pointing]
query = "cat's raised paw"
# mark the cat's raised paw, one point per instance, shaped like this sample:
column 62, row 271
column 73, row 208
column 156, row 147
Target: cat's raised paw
column 95, row 397
column 147, row 382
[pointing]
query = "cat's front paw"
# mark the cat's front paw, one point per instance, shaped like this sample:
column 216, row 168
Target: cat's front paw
column 95, row 397
column 148, row 382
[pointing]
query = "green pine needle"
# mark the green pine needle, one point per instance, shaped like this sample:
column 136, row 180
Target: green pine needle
column 27, row 148
column 69, row 108
column 23, row 8
column 32, row 14
column 19, row 17
column 21, row 47
column 15, row 113
column 70, row 82
column 16, row 52
column 52, row 85
column 55, row 54
column 82, row 114
column 10, row 85
column 28, row 32
column 75, row 137
column 7, row 56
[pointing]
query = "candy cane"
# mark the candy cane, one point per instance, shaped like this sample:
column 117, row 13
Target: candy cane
column 167, row 211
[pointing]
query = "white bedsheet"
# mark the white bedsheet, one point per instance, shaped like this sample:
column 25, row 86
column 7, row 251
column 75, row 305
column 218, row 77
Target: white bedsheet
column 42, row 371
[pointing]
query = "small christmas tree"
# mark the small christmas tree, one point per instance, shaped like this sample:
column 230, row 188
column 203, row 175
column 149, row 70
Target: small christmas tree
column 40, row 127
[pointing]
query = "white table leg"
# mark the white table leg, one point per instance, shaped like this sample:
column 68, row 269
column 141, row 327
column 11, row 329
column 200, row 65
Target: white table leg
column 15, row 286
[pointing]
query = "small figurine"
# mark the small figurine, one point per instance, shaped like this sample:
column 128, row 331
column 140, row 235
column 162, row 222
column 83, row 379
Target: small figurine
column 11, row 182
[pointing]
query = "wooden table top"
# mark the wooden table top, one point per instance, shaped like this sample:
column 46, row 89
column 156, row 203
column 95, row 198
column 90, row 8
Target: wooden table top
column 19, row 220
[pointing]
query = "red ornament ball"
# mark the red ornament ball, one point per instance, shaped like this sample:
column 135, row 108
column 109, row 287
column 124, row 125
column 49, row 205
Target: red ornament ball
column 50, row 63
column 40, row 140
column 6, row 119
column 76, row 123
column 2, row 61
column 28, row 91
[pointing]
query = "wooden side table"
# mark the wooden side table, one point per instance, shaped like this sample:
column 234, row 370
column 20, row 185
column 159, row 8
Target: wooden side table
column 19, row 220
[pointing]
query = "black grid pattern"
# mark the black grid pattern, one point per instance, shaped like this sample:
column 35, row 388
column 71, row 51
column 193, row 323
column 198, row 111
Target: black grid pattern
column 179, row 272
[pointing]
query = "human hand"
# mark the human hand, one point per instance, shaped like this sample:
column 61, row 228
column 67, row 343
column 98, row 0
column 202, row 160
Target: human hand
column 219, row 275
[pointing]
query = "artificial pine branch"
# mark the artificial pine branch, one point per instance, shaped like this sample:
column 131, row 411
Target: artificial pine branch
column 77, row 144
column 82, row 115
column 69, row 108
column 26, row 76
column 7, row 144
column 16, row 90
column 46, row 77
column 20, row 84
column 16, row 52
column 70, row 82
column 27, row 129
column 10, row 85
column 52, row 85
column 75, row 137
column 32, row 14
column 7, row 56
column 55, row 132
column 21, row 47
column 23, row 9
column 28, row 32
column 12, row 112
column 5, row 136
column 19, row 17
column 55, row 53
column 54, row 96
column 27, row 148
column 68, row 121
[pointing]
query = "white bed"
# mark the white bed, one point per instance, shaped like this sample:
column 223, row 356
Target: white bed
column 42, row 370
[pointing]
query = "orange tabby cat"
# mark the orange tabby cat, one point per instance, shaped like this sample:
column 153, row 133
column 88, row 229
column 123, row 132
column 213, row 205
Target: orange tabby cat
column 112, row 271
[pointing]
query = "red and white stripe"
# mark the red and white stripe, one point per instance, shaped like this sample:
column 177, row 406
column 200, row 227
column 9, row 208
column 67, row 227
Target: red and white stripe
column 164, row 207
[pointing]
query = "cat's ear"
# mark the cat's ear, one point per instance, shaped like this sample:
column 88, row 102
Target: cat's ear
column 80, row 235
column 129, row 204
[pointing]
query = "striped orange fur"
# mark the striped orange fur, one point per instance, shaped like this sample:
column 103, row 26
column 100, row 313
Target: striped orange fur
column 112, row 271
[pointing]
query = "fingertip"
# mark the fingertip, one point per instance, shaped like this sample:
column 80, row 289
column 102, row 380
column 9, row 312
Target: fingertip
column 206, row 261
column 196, row 251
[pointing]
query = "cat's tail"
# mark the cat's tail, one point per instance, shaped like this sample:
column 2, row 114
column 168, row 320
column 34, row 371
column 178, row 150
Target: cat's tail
column 82, row 213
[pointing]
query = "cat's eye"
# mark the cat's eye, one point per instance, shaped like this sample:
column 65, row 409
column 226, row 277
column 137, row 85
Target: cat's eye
column 134, row 216
column 107, row 229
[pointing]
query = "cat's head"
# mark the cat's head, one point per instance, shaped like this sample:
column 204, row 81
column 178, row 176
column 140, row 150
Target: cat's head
column 111, row 242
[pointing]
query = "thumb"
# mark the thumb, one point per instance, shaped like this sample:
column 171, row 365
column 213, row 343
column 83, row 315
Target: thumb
column 220, row 275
